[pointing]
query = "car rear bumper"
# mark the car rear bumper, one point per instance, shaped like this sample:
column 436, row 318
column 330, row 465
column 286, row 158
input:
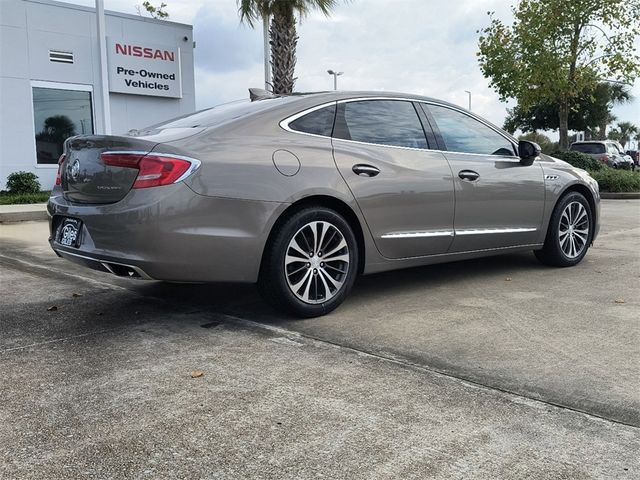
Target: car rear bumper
column 119, row 269
column 169, row 233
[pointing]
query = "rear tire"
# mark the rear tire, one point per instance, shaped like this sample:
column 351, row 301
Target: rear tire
column 569, row 234
column 310, row 264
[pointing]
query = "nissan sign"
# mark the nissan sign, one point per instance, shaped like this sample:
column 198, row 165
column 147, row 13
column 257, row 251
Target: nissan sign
column 144, row 69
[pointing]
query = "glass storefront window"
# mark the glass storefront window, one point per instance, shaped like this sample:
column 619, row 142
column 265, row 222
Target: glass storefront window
column 59, row 114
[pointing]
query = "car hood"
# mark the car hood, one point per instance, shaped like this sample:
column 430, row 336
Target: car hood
column 555, row 161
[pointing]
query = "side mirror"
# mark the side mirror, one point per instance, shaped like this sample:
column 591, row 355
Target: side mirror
column 528, row 151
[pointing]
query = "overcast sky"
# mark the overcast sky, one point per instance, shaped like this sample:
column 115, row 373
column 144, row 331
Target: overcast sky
column 426, row 47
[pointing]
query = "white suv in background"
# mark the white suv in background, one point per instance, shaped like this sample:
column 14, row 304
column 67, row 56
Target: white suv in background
column 608, row 152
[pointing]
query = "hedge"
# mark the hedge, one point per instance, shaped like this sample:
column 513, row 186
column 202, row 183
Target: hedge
column 612, row 180
column 7, row 198
column 579, row 160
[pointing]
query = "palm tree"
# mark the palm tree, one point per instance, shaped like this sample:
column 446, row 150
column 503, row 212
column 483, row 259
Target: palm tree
column 282, row 32
column 615, row 94
column 57, row 129
column 626, row 131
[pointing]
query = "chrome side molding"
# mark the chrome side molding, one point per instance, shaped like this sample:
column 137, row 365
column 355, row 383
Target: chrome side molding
column 453, row 233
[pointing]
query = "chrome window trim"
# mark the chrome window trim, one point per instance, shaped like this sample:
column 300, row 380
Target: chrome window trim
column 284, row 124
column 195, row 163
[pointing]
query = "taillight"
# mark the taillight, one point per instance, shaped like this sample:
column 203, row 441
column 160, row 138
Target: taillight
column 153, row 170
column 604, row 158
column 58, row 177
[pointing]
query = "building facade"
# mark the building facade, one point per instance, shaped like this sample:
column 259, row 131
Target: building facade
column 50, row 85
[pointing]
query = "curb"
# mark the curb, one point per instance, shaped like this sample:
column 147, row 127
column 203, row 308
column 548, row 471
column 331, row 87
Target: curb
column 620, row 195
column 8, row 217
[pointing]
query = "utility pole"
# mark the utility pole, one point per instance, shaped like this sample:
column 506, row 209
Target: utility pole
column 469, row 93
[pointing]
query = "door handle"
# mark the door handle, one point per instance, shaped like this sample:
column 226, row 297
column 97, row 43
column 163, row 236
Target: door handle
column 365, row 170
column 468, row 175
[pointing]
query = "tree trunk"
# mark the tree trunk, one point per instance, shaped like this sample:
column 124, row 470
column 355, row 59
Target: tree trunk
column 564, row 124
column 602, row 131
column 283, row 51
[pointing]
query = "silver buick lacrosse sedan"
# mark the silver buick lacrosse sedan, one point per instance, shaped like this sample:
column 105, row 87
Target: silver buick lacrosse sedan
column 303, row 193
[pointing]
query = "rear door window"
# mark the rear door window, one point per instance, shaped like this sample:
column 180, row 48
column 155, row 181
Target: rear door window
column 463, row 133
column 384, row 122
column 317, row 122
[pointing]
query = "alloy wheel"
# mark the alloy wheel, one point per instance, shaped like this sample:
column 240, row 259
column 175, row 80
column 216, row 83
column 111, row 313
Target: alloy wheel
column 316, row 262
column 573, row 232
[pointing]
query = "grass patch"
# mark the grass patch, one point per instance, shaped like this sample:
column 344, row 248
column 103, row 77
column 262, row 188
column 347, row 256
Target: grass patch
column 7, row 198
column 612, row 180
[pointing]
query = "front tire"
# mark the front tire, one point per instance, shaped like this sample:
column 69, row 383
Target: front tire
column 310, row 263
column 569, row 234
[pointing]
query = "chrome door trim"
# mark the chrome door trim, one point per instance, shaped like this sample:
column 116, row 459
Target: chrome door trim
column 485, row 231
column 453, row 233
column 443, row 233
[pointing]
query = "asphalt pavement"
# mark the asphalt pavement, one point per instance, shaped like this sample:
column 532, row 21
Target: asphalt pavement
column 493, row 368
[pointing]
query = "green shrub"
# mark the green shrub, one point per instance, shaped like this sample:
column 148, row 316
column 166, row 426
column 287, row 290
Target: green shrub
column 579, row 160
column 612, row 180
column 7, row 198
column 23, row 182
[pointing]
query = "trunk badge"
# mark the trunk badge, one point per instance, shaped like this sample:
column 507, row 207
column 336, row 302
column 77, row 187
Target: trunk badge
column 75, row 169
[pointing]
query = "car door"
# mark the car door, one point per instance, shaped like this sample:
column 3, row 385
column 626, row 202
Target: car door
column 499, row 200
column 404, row 190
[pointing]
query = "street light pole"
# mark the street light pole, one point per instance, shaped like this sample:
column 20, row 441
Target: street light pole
column 267, row 54
column 469, row 93
column 335, row 78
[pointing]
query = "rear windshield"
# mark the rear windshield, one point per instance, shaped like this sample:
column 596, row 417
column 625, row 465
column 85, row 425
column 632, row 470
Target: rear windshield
column 588, row 147
column 222, row 113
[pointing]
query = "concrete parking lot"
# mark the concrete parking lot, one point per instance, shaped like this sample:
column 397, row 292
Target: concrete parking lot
column 493, row 368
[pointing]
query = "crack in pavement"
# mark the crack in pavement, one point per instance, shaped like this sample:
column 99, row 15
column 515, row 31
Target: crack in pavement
column 23, row 265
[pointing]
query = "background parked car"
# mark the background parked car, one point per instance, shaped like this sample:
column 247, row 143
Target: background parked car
column 606, row 151
column 635, row 156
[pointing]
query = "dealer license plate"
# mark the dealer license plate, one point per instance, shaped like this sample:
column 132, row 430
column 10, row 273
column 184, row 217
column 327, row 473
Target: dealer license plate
column 69, row 232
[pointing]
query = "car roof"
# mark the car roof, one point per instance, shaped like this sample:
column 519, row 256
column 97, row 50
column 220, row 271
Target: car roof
column 287, row 105
column 329, row 96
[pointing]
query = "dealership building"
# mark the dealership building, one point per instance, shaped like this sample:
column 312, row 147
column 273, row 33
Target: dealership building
column 51, row 72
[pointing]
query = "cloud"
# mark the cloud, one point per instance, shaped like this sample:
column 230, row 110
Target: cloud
column 426, row 47
column 223, row 44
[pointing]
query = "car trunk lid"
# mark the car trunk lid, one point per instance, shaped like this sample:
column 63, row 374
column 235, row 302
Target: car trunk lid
column 85, row 175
